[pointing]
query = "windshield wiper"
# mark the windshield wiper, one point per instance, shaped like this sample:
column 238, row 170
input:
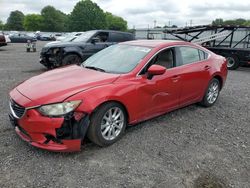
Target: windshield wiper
column 95, row 68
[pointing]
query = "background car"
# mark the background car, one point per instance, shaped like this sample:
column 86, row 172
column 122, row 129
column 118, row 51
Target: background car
column 3, row 41
column 69, row 38
column 74, row 52
column 121, row 85
column 7, row 38
column 21, row 38
column 45, row 37
column 69, row 35
column 56, row 35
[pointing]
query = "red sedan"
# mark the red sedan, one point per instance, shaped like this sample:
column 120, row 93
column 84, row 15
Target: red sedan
column 124, row 84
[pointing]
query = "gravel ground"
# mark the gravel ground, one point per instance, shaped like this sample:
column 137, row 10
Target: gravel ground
column 190, row 147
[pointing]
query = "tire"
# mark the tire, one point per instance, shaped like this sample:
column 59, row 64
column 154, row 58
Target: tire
column 232, row 62
column 71, row 59
column 103, row 131
column 212, row 93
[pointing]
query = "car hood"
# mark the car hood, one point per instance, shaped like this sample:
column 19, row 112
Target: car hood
column 52, row 43
column 63, row 44
column 57, row 85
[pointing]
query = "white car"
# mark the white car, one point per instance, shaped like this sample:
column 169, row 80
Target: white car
column 7, row 38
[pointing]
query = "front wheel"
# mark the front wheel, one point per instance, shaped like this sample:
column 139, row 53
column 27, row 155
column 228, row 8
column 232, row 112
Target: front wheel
column 71, row 59
column 107, row 124
column 212, row 93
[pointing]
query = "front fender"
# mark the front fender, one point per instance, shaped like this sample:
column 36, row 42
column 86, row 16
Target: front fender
column 123, row 93
column 72, row 49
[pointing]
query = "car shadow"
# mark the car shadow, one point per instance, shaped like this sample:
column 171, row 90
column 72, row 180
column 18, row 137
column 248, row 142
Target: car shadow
column 243, row 69
column 35, row 70
column 163, row 117
column 3, row 50
column 88, row 149
column 209, row 179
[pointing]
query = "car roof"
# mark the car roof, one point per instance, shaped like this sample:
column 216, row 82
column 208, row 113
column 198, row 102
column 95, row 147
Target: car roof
column 128, row 33
column 155, row 43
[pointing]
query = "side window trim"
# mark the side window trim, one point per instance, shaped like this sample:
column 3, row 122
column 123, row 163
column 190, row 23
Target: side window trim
column 206, row 54
column 178, row 58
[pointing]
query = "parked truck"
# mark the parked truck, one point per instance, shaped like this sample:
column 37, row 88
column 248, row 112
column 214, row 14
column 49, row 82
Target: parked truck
column 231, row 42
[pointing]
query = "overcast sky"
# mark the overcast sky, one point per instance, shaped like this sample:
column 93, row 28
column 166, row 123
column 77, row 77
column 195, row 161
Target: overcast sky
column 142, row 13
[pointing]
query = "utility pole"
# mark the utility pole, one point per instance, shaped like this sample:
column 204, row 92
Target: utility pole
column 191, row 23
column 154, row 23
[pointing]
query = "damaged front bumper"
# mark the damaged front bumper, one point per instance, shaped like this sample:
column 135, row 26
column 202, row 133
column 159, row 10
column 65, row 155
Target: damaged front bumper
column 63, row 134
column 49, row 61
column 51, row 58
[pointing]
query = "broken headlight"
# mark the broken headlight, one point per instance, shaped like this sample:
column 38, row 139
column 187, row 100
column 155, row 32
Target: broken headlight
column 55, row 50
column 59, row 109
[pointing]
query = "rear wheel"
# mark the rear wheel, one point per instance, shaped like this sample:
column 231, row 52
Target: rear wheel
column 71, row 59
column 107, row 124
column 212, row 93
column 232, row 62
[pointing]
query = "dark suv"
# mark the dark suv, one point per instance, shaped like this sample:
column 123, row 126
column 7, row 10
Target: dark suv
column 74, row 52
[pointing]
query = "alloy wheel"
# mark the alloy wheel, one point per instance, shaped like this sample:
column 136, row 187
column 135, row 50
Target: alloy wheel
column 112, row 123
column 213, row 92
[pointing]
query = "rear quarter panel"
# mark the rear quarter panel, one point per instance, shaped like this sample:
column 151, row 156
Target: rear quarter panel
column 219, row 68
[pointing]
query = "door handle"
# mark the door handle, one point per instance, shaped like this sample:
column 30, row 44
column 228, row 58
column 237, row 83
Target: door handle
column 175, row 78
column 207, row 67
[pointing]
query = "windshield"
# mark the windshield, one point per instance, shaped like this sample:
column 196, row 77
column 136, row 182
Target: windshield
column 69, row 38
column 85, row 36
column 117, row 58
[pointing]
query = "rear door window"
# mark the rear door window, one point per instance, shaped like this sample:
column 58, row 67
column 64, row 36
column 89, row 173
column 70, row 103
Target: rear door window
column 117, row 37
column 189, row 55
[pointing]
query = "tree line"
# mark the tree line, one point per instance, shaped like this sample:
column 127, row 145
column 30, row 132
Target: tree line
column 239, row 21
column 86, row 15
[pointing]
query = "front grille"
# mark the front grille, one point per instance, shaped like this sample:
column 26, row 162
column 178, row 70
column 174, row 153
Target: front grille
column 17, row 110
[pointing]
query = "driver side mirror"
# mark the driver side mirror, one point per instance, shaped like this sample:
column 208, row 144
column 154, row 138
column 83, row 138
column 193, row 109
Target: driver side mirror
column 95, row 40
column 154, row 70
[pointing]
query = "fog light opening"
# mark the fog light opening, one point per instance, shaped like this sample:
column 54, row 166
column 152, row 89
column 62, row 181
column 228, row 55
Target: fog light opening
column 51, row 138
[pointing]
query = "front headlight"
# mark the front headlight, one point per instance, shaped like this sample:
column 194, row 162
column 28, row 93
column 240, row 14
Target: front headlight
column 59, row 109
column 55, row 50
